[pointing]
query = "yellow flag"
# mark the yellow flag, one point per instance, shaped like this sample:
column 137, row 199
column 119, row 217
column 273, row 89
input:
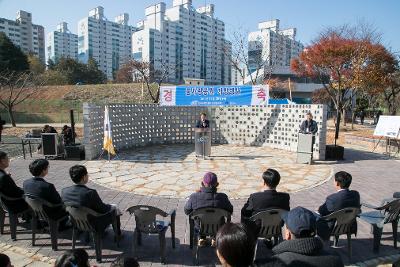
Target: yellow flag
column 107, row 143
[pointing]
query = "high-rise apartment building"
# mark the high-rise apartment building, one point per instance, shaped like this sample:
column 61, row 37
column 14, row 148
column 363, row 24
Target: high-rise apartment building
column 62, row 43
column 189, row 42
column 107, row 42
column 23, row 33
column 271, row 46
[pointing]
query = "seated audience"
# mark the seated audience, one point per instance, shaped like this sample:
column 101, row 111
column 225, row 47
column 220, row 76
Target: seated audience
column 235, row 245
column 207, row 196
column 73, row 258
column 301, row 247
column 38, row 187
column 269, row 198
column 8, row 186
column 343, row 198
column 80, row 194
column 125, row 262
column 5, row 261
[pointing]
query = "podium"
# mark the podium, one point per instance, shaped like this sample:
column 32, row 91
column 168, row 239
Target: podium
column 202, row 142
column 305, row 144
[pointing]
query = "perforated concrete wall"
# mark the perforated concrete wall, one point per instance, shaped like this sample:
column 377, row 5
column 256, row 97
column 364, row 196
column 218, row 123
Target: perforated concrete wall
column 135, row 125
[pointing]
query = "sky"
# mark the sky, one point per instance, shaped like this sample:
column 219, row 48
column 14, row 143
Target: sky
column 308, row 16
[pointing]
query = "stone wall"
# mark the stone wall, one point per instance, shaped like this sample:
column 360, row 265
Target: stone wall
column 141, row 125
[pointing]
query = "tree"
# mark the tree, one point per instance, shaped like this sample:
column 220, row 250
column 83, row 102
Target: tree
column 15, row 88
column 341, row 59
column 391, row 93
column 53, row 77
column 251, row 59
column 92, row 73
column 320, row 96
column 146, row 72
column 76, row 72
column 35, row 65
column 124, row 74
column 11, row 57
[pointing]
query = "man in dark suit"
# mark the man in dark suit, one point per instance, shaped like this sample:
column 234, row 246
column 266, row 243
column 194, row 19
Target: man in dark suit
column 80, row 194
column 203, row 122
column 8, row 186
column 343, row 198
column 38, row 187
column 269, row 198
column 309, row 126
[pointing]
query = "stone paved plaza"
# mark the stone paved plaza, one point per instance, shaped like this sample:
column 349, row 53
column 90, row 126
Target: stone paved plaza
column 374, row 176
column 173, row 170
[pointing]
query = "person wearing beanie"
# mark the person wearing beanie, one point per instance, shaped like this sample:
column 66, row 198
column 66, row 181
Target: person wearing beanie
column 208, row 197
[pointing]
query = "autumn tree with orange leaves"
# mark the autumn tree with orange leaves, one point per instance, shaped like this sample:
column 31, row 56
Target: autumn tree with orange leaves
column 345, row 62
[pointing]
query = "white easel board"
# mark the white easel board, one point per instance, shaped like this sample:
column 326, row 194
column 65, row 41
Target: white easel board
column 388, row 126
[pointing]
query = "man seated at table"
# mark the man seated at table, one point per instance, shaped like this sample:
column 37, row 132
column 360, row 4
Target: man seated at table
column 268, row 198
column 208, row 197
column 80, row 194
column 38, row 187
column 203, row 122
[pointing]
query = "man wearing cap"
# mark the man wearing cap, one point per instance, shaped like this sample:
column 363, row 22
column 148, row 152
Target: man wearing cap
column 208, row 197
column 302, row 247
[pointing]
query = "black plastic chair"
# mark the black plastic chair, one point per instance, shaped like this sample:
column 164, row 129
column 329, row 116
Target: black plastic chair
column 205, row 222
column 13, row 216
column 343, row 220
column 147, row 223
column 39, row 213
column 386, row 213
column 270, row 224
column 81, row 218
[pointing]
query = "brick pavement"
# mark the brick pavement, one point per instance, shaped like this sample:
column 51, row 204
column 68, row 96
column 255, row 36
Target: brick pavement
column 374, row 177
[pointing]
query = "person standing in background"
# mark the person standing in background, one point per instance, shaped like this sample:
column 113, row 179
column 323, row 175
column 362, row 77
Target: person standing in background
column 2, row 122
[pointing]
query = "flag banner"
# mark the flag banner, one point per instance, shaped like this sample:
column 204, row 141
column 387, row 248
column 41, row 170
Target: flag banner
column 107, row 142
column 229, row 95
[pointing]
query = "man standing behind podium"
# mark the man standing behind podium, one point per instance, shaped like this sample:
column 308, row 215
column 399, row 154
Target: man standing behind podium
column 203, row 122
column 309, row 126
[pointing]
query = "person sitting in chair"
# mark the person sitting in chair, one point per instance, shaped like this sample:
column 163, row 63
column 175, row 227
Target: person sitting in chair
column 343, row 198
column 207, row 197
column 38, row 187
column 8, row 186
column 81, row 195
column 269, row 198
column 203, row 122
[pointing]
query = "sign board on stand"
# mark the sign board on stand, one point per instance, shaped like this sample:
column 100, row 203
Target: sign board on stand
column 388, row 126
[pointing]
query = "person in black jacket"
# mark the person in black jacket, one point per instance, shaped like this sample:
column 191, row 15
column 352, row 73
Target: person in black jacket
column 309, row 126
column 80, row 194
column 396, row 195
column 203, row 122
column 38, row 187
column 343, row 198
column 301, row 247
column 8, row 186
column 269, row 198
column 207, row 197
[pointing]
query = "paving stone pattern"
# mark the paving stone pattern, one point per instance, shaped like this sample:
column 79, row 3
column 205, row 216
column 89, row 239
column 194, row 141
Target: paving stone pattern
column 173, row 170
column 375, row 177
